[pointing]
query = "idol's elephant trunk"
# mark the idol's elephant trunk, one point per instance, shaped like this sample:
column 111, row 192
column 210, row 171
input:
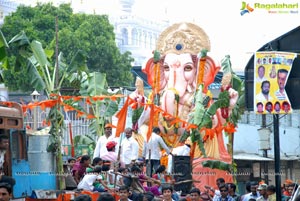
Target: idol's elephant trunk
column 176, row 89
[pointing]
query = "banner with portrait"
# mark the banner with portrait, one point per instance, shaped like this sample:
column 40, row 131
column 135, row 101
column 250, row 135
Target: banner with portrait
column 271, row 72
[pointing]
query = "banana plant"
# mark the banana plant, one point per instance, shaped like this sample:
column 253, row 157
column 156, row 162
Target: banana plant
column 94, row 85
column 236, row 112
column 239, row 85
column 3, row 54
column 201, row 115
column 102, row 109
column 44, row 77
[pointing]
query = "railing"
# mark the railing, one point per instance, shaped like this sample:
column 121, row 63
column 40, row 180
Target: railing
column 80, row 126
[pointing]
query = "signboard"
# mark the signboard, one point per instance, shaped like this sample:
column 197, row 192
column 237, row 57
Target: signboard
column 271, row 72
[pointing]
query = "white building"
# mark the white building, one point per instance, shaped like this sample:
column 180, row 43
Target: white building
column 6, row 7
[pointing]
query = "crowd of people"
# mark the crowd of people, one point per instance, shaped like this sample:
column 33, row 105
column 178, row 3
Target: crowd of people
column 129, row 178
column 132, row 178
column 224, row 192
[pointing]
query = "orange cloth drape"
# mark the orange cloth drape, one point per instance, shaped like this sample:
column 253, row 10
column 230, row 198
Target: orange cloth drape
column 121, row 115
column 208, row 176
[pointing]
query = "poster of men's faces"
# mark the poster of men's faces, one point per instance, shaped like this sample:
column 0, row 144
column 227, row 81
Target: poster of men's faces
column 271, row 72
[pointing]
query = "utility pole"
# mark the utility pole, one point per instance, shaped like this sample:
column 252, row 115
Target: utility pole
column 277, row 156
column 265, row 151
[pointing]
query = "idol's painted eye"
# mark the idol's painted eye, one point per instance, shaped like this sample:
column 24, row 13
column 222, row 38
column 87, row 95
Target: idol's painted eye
column 188, row 68
column 166, row 68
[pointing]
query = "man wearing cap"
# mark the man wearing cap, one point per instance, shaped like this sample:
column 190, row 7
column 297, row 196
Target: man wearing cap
column 262, row 189
column 110, row 155
column 101, row 149
column 286, row 185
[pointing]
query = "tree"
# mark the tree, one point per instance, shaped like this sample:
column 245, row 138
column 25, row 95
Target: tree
column 43, row 76
column 93, row 34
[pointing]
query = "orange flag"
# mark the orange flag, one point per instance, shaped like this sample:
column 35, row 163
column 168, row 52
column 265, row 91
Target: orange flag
column 152, row 113
column 121, row 115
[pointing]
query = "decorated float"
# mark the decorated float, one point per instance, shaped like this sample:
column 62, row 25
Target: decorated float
column 181, row 104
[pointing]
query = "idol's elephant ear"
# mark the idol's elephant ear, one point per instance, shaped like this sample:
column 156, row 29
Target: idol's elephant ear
column 149, row 70
column 210, row 72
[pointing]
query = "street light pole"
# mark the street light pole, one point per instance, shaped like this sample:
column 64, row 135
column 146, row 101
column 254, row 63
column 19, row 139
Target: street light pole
column 35, row 97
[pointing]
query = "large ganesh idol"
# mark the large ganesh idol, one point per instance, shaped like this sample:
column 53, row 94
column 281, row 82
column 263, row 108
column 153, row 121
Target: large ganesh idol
column 179, row 78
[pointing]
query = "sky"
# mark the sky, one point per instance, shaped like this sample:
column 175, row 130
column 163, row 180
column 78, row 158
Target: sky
column 230, row 33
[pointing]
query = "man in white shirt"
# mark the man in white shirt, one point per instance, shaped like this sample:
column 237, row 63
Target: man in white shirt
column 90, row 178
column 217, row 194
column 265, row 92
column 100, row 148
column 261, row 74
column 253, row 194
column 152, row 149
column 129, row 149
column 281, row 80
column 183, row 150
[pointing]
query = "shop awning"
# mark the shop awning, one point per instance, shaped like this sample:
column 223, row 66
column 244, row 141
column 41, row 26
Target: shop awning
column 250, row 157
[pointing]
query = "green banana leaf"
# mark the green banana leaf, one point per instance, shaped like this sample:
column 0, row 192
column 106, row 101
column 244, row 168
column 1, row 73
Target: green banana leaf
column 196, row 137
column 199, row 109
column 20, row 39
column 83, row 139
column 39, row 53
column 36, row 79
column 95, row 85
column 3, row 55
column 78, row 63
column 226, row 65
column 215, row 164
column 239, row 86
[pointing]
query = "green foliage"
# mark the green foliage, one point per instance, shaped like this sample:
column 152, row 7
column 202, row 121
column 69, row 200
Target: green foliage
column 215, row 164
column 203, row 53
column 224, row 98
column 226, row 65
column 239, row 86
column 136, row 114
column 83, row 140
column 156, row 56
column 56, row 119
column 239, row 108
column 95, row 84
column 3, row 55
column 201, row 115
column 92, row 34
column 44, row 76
column 196, row 137
column 84, row 143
